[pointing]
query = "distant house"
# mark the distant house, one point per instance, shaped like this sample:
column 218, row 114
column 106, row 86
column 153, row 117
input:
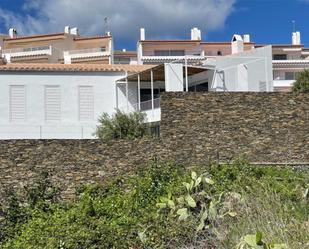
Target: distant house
column 68, row 47
column 287, row 59
column 57, row 85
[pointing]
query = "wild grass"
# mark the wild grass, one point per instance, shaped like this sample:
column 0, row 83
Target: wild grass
column 123, row 213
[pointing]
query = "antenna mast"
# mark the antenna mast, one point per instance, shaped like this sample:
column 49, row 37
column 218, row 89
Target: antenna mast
column 106, row 28
column 294, row 25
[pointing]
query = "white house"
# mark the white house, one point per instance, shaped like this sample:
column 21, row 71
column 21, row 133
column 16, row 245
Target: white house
column 246, row 71
column 57, row 101
column 65, row 101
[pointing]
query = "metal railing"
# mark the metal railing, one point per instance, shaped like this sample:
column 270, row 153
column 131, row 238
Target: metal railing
column 147, row 105
column 186, row 53
column 88, row 50
column 26, row 50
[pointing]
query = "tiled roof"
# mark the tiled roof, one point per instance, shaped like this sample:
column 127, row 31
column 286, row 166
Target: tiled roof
column 33, row 36
column 80, row 38
column 47, row 67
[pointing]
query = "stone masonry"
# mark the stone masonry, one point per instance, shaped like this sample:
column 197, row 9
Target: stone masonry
column 195, row 129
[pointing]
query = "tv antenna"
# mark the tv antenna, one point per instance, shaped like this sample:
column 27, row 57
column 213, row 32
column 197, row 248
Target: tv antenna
column 294, row 25
column 106, row 28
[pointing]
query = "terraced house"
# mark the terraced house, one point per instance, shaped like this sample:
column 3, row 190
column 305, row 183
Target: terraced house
column 57, row 85
column 68, row 47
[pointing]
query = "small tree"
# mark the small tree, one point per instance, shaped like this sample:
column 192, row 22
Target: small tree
column 302, row 83
column 122, row 125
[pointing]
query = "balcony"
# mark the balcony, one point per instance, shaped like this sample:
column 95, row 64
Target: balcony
column 85, row 53
column 152, row 111
column 151, row 56
column 10, row 54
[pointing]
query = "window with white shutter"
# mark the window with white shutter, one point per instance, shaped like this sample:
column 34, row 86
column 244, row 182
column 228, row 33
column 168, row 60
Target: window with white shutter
column 85, row 103
column 52, row 103
column 17, row 103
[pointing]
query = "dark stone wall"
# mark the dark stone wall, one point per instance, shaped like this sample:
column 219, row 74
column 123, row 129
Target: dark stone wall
column 264, row 127
column 195, row 129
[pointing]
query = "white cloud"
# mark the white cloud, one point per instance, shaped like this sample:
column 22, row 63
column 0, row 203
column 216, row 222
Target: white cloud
column 161, row 18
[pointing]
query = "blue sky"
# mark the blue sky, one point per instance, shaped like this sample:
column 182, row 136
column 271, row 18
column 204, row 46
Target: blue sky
column 267, row 21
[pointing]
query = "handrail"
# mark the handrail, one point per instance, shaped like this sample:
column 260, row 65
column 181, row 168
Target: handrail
column 88, row 50
column 143, row 106
column 25, row 50
column 186, row 53
column 147, row 105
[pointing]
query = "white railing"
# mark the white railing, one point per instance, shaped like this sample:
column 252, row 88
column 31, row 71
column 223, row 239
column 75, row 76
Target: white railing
column 186, row 53
column 86, row 51
column 147, row 105
column 29, row 50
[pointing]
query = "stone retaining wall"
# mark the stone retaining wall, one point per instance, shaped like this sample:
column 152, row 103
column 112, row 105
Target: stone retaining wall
column 195, row 129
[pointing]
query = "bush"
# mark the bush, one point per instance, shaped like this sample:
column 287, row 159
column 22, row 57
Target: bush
column 302, row 83
column 122, row 126
column 166, row 206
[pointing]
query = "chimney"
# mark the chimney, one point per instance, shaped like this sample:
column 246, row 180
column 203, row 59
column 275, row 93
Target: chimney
column 67, row 30
column 12, row 32
column 74, row 31
column 296, row 39
column 196, row 34
column 142, row 34
column 246, row 38
column 237, row 44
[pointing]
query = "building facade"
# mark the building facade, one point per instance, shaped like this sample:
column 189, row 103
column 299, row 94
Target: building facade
column 287, row 59
column 68, row 47
column 41, row 101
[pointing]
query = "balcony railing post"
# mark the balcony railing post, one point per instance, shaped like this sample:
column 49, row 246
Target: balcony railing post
column 139, row 91
column 127, row 91
column 152, row 92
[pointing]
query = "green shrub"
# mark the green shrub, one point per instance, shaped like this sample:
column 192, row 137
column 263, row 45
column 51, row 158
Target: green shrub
column 302, row 83
column 146, row 209
column 122, row 126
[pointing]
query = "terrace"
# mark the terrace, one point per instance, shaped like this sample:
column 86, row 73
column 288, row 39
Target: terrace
column 85, row 53
column 10, row 54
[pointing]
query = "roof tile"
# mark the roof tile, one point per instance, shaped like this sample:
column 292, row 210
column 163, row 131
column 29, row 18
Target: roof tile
column 47, row 67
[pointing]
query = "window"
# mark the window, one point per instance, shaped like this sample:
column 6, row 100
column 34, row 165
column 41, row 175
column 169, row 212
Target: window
column 203, row 87
column 280, row 57
column 219, row 53
column 85, row 103
column 290, row 76
column 169, row 52
column 17, row 103
column 52, row 103
column 162, row 52
column 177, row 52
column 122, row 60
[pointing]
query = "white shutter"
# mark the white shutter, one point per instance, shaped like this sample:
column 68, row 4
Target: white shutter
column 17, row 103
column 85, row 103
column 52, row 103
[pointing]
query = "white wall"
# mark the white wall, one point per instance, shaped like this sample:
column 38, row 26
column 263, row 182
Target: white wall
column 174, row 81
column 246, row 71
column 35, row 126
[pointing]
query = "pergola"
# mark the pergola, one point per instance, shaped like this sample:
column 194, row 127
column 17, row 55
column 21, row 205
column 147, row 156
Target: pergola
column 156, row 74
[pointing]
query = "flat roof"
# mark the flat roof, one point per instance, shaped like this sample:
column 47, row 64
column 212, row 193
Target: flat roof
column 47, row 67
